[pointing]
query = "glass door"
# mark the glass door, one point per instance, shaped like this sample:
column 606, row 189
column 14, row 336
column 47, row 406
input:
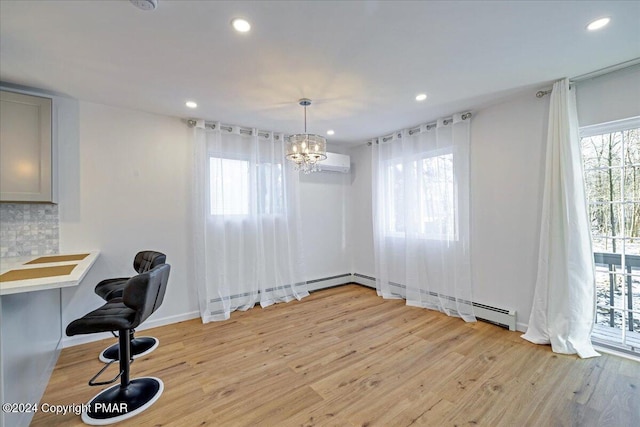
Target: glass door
column 611, row 155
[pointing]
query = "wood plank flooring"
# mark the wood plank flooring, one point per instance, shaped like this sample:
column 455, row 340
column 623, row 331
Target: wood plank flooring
column 345, row 357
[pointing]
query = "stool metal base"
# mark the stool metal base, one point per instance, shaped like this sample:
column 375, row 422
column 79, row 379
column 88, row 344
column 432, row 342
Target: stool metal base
column 116, row 403
column 140, row 346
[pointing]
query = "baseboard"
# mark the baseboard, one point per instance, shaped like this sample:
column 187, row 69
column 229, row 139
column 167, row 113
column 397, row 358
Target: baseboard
column 361, row 279
column 342, row 279
column 154, row 323
column 328, row 282
column 498, row 316
column 522, row 327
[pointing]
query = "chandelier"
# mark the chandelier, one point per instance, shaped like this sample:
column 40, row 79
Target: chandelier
column 306, row 150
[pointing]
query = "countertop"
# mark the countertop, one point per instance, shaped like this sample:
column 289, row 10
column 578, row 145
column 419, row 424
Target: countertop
column 43, row 283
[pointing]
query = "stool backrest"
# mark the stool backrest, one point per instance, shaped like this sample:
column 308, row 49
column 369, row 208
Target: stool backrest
column 145, row 292
column 148, row 260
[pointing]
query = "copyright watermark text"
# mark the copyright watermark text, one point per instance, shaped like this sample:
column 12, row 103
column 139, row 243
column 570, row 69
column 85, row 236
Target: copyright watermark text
column 71, row 408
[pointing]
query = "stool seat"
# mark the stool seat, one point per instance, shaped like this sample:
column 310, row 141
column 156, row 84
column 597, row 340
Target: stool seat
column 113, row 316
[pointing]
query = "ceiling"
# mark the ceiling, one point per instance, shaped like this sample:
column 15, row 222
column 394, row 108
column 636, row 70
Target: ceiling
column 361, row 62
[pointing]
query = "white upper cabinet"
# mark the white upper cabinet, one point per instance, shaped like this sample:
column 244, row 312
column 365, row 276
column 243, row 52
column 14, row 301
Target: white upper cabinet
column 25, row 148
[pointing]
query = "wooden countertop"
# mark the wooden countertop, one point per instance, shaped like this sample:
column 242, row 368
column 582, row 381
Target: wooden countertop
column 37, row 273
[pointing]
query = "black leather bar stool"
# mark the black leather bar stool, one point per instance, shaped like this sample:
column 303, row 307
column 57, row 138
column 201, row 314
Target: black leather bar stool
column 142, row 296
column 113, row 288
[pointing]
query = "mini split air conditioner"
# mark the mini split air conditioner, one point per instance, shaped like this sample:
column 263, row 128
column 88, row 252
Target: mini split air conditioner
column 335, row 163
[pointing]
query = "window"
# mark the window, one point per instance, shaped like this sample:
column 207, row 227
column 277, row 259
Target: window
column 270, row 185
column 433, row 195
column 233, row 187
column 395, row 188
column 611, row 156
column 229, row 184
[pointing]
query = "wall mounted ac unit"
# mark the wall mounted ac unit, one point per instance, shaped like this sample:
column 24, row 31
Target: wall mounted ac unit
column 335, row 163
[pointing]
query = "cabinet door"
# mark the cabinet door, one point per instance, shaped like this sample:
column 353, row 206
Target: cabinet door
column 25, row 148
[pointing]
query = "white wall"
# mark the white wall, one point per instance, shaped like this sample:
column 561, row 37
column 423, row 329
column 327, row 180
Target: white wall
column 361, row 222
column 127, row 188
column 507, row 173
column 325, row 209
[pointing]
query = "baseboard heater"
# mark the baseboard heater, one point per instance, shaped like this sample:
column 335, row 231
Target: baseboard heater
column 311, row 285
column 497, row 316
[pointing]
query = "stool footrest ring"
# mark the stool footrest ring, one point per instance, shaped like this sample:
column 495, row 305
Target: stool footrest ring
column 93, row 382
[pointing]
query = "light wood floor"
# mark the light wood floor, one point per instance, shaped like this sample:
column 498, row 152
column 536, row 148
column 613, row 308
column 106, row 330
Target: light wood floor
column 345, row 357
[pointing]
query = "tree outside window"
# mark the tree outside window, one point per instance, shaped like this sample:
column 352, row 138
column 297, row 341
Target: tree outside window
column 612, row 180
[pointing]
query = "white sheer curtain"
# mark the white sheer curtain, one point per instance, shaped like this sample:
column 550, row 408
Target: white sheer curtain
column 246, row 222
column 564, row 302
column 421, row 217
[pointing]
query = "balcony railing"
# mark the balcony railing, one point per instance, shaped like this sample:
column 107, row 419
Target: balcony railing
column 613, row 262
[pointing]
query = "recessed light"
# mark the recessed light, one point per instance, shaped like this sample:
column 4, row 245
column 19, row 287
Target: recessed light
column 330, row 132
column 421, row 97
column 598, row 23
column 241, row 25
column 191, row 104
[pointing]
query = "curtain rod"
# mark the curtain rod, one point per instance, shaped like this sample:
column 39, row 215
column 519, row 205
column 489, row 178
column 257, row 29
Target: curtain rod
column 415, row 129
column 229, row 128
column 594, row 74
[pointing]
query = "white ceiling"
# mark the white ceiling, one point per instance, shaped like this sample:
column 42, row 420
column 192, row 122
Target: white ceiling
column 361, row 62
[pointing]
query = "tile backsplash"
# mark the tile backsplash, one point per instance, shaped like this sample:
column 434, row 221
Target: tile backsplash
column 28, row 229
